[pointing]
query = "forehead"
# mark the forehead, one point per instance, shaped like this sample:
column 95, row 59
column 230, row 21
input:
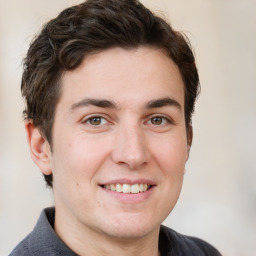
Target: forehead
column 124, row 75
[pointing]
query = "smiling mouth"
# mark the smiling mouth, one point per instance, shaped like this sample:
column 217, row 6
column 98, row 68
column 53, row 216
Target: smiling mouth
column 128, row 189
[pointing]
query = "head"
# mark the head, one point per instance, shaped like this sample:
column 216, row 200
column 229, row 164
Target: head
column 92, row 27
column 110, row 90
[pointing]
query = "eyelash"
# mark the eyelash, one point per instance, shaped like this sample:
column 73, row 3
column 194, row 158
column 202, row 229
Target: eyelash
column 162, row 118
column 90, row 119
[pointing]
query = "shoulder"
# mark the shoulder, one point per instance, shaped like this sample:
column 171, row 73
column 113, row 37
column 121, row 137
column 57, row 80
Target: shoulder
column 43, row 241
column 22, row 248
column 175, row 243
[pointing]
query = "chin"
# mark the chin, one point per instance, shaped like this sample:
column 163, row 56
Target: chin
column 131, row 227
column 130, row 232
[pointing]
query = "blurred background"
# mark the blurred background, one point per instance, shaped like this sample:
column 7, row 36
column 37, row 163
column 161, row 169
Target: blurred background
column 218, row 201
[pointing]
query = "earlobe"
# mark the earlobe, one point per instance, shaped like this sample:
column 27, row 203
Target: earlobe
column 39, row 147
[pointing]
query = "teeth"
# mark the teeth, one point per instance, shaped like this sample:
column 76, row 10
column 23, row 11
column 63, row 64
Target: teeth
column 126, row 188
column 135, row 189
column 141, row 187
column 119, row 188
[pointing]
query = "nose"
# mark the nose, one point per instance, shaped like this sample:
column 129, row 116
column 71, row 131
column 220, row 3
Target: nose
column 130, row 148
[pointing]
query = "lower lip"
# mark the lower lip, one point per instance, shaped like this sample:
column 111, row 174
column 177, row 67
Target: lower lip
column 130, row 197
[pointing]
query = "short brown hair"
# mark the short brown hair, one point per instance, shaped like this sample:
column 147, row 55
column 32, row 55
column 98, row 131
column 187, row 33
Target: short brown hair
column 91, row 27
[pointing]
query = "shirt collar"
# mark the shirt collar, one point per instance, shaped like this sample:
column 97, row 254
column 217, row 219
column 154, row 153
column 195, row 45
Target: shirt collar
column 43, row 239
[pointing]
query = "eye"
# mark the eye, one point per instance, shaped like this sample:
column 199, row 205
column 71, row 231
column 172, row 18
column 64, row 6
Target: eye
column 159, row 120
column 96, row 120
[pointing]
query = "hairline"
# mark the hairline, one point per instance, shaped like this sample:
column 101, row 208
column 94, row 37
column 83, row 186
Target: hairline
column 95, row 52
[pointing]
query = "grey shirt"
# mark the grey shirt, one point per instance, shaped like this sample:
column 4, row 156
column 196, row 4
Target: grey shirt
column 43, row 241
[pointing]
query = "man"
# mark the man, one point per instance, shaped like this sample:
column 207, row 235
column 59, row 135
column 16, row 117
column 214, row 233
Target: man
column 110, row 89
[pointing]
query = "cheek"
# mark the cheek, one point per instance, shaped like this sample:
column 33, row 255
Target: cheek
column 171, row 155
column 74, row 166
column 79, row 157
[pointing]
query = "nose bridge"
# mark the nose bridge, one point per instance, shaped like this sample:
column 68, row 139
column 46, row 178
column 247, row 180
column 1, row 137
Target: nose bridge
column 130, row 146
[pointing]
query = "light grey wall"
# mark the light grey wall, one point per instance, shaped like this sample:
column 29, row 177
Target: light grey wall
column 218, row 201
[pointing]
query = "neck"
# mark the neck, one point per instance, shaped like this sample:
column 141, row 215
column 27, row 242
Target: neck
column 86, row 241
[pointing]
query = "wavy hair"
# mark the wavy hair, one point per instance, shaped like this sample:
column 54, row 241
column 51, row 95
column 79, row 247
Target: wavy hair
column 91, row 27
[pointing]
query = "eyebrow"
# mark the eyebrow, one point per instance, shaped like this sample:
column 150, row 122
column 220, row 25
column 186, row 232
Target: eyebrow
column 163, row 102
column 94, row 102
column 103, row 103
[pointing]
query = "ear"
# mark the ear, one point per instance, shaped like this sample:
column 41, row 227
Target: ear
column 189, row 139
column 40, row 150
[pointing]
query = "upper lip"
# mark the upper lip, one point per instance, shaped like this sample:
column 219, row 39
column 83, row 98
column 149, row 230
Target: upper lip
column 129, row 181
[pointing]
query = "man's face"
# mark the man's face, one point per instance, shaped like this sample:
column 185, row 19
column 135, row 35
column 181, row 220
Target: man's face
column 119, row 142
